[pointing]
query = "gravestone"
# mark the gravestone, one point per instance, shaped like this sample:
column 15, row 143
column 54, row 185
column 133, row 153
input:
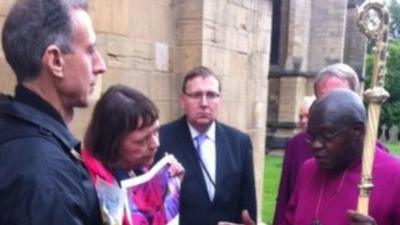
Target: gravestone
column 393, row 134
column 382, row 137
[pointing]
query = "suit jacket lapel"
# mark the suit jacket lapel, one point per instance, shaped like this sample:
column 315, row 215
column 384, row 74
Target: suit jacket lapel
column 222, row 154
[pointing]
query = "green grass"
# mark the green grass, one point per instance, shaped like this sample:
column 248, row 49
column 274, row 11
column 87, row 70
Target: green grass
column 272, row 172
column 393, row 148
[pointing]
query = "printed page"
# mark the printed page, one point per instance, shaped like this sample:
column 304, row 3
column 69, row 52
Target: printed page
column 153, row 198
column 111, row 199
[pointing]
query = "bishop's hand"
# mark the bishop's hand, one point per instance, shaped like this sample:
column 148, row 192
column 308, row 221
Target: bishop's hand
column 356, row 218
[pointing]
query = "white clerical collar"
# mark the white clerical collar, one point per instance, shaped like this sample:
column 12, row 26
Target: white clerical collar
column 210, row 133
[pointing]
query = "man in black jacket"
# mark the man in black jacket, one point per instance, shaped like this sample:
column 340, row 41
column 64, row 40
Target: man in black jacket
column 50, row 47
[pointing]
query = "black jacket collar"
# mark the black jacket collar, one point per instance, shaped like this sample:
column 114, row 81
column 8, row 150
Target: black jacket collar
column 46, row 124
column 28, row 97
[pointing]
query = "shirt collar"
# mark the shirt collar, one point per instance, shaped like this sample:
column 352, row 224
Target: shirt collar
column 210, row 133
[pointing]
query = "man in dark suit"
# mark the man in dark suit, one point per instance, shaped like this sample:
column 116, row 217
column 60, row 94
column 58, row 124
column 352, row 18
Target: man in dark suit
column 219, row 180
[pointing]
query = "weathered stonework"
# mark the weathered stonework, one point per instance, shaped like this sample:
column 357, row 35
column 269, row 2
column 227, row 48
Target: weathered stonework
column 149, row 45
column 236, row 46
column 313, row 34
column 355, row 43
column 298, row 35
column 328, row 25
column 7, row 80
column 291, row 90
column 5, row 6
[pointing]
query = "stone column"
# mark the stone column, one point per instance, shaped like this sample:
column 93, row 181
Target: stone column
column 313, row 36
column 355, row 43
column 327, row 36
column 149, row 45
column 236, row 45
column 290, row 76
column 298, row 35
column 137, row 40
column 7, row 77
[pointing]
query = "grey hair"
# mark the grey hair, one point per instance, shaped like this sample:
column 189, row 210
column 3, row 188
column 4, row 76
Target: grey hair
column 33, row 25
column 341, row 71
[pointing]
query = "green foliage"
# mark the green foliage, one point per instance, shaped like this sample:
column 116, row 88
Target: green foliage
column 390, row 113
column 394, row 24
column 391, row 109
column 368, row 69
column 272, row 173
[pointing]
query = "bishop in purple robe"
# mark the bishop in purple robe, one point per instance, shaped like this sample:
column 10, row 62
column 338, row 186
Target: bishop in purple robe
column 297, row 151
column 326, row 189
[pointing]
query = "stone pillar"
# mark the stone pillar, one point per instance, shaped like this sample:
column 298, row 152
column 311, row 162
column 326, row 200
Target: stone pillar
column 149, row 45
column 290, row 77
column 355, row 43
column 292, row 86
column 7, row 77
column 138, row 41
column 298, row 35
column 235, row 45
column 328, row 26
column 292, row 90
column 313, row 36
column 189, row 34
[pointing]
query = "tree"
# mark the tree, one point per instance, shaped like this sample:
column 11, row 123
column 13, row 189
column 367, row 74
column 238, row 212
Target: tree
column 391, row 109
column 394, row 15
column 390, row 113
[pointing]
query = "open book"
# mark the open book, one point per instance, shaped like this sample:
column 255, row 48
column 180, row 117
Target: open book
column 153, row 198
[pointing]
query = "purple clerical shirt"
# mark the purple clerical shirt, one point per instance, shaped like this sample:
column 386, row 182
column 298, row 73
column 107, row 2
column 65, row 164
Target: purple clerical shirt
column 327, row 197
column 296, row 152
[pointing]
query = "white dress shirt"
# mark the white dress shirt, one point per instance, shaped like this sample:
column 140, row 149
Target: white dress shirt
column 208, row 156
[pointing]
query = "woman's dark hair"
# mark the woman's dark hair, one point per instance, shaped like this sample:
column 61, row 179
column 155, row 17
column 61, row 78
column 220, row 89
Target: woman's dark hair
column 119, row 111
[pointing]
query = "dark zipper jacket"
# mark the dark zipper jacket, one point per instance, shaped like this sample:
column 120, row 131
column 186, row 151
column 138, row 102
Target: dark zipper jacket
column 42, row 180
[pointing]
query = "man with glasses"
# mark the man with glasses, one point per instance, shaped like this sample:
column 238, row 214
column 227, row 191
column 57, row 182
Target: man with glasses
column 219, row 179
column 297, row 149
column 326, row 190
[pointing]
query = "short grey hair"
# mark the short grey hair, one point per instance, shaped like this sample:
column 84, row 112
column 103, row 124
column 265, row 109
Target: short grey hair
column 33, row 25
column 341, row 71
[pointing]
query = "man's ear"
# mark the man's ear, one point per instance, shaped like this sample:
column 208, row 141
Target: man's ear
column 54, row 61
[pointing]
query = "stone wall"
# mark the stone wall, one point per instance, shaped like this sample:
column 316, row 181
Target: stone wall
column 328, row 26
column 149, row 45
column 7, row 80
column 298, row 35
column 232, row 38
column 314, row 34
column 355, row 43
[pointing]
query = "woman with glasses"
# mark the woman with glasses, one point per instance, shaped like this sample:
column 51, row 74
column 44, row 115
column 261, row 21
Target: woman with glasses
column 122, row 138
